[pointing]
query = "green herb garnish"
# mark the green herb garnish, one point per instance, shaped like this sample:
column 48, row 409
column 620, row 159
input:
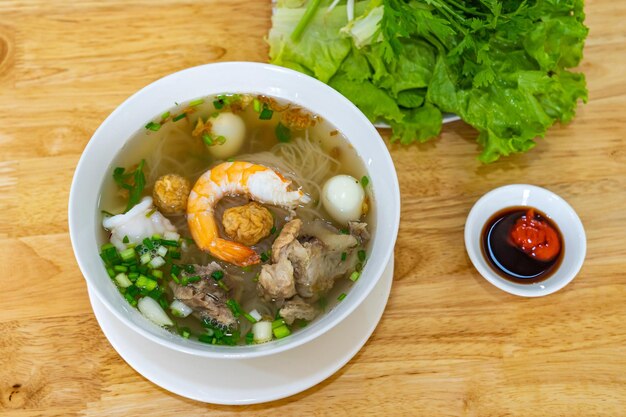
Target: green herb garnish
column 135, row 188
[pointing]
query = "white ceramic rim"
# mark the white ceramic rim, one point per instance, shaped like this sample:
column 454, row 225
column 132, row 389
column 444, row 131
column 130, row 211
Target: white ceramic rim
column 549, row 203
column 208, row 80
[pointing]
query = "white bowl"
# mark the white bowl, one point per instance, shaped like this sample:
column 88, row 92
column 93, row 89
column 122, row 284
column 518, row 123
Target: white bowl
column 553, row 206
column 207, row 80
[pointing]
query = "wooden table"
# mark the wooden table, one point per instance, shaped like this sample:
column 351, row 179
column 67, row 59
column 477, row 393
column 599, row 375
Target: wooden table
column 449, row 344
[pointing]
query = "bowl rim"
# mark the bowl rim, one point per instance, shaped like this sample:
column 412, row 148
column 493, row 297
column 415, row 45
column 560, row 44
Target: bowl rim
column 374, row 271
column 549, row 200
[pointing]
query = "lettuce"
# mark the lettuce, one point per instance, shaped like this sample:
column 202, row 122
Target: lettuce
column 503, row 66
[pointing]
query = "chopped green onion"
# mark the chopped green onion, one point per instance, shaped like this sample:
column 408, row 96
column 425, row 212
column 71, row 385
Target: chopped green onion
column 125, row 240
column 344, row 256
column 234, row 307
column 362, row 255
column 218, row 104
column 145, row 258
column 217, row 275
column 190, row 269
column 146, row 283
column 365, row 181
column 175, row 269
column 185, row 332
column 174, row 254
column 256, row 103
column 277, row 323
column 195, row 103
column 282, row 331
column 195, row 278
column 120, row 268
column 111, row 272
column 175, row 278
column 157, row 273
column 264, row 257
column 266, row 113
column 354, row 276
column 249, row 318
column 156, row 236
column 148, row 243
column 206, row 138
column 344, row 231
column 162, row 251
column 131, row 300
column 165, row 242
column 341, row 296
column 358, row 267
column 273, row 230
column 220, row 140
column 249, row 338
column 128, row 254
column 122, row 280
column 165, row 115
column 153, row 126
column 178, row 117
column 156, row 262
column 133, row 276
column 151, row 212
column 283, row 133
column 223, row 286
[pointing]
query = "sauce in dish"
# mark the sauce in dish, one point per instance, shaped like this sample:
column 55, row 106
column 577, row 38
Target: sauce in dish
column 522, row 244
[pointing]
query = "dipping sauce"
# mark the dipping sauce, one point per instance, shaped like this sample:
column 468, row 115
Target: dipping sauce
column 522, row 244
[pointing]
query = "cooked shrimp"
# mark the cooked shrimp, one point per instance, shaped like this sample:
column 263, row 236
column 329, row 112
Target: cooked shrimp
column 257, row 182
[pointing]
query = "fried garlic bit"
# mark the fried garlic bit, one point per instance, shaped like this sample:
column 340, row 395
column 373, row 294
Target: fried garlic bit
column 170, row 193
column 247, row 224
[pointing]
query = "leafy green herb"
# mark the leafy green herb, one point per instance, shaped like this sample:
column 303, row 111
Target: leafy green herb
column 503, row 66
column 134, row 187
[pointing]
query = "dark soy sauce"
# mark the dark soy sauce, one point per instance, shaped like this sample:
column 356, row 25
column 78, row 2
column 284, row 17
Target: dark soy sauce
column 508, row 259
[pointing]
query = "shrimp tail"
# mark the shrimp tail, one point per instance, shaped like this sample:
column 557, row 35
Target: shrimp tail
column 234, row 252
column 205, row 234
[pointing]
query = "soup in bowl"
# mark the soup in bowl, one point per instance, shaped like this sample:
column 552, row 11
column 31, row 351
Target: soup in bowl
column 237, row 209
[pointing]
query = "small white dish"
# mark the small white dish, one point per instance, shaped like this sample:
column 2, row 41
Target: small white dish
column 553, row 206
column 253, row 380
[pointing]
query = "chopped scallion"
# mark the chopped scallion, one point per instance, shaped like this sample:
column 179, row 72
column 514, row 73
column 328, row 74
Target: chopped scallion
column 362, row 255
column 125, row 240
column 151, row 212
column 354, row 276
column 344, row 256
column 341, row 296
column 217, row 275
column 206, row 138
column 157, row 273
column 283, row 133
column 266, row 113
column 145, row 258
column 153, row 126
column 256, row 103
column 282, row 331
column 165, row 115
column 128, row 254
column 277, row 323
column 365, row 181
column 249, row 318
column 120, row 268
column 218, row 104
column 197, row 102
column 179, row 116
column 146, row 283
column 234, row 306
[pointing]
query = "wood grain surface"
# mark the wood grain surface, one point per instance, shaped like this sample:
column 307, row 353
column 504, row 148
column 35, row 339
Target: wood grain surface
column 449, row 343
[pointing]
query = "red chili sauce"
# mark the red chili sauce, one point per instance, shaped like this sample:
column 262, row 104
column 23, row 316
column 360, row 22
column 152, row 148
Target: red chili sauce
column 522, row 244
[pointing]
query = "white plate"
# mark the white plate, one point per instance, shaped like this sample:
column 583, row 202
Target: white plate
column 255, row 380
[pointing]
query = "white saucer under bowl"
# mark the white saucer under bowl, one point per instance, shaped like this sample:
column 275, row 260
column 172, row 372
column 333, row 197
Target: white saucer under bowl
column 254, row 380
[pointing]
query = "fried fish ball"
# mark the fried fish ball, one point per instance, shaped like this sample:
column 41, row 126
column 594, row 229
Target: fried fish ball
column 247, row 224
column 170, row 193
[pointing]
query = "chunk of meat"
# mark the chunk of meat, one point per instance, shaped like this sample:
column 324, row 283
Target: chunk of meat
column 170, row 193
column 288, row 234
column 311, row 257
column 276, row 281
column 207, row 300
column 297, row 308
column 359, row 230
column 247, row 224
column 316, row 266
